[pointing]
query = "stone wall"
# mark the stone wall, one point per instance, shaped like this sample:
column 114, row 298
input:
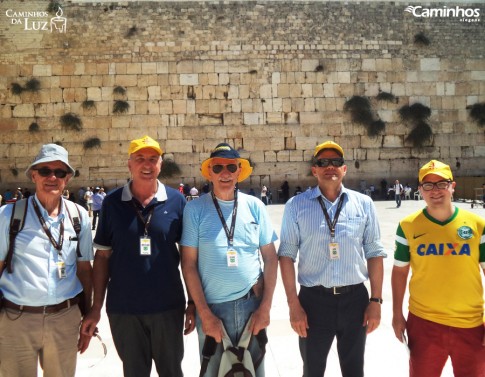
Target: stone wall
column 269, row 77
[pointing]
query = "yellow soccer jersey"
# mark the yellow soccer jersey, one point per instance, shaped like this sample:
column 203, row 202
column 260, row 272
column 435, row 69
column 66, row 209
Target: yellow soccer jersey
column 445, row 257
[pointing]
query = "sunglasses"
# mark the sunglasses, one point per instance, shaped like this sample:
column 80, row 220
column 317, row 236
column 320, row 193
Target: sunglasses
column 218, row 168
column 324, row 162
column 441, row 185
column 46, row 172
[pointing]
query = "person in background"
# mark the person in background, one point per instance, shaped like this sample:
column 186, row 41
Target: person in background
column 334, row 234
column 39, row 321
column 264, row 197
column 224, row 235
column 445, row 247
column 398, row 191
column 98, row 198
column 137, row 264
column 88, row 197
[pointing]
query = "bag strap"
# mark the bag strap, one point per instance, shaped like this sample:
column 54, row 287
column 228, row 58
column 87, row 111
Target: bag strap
column 76, row 224
column 17, row 221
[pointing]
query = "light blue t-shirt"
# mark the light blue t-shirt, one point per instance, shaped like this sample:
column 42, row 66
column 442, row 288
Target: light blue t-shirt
column 34, row 280
column 202, row 229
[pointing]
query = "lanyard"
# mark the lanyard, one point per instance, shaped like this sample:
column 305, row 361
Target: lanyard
column 57, row 244
column 229, row 232
column 146, row 223
column 332, row 224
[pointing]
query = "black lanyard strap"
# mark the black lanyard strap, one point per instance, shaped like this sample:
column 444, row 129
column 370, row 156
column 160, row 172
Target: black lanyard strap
column 332, row 224
column 146, row 223
column 229, row 232
column 57, row 244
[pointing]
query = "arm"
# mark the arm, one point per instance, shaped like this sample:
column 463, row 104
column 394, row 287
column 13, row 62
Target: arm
column 261, row 316
column 211, row 325
column 298, row 317
column 100, row 282
column 372, row 315
column 483, row 340
column 85, row 276
column 398, row 281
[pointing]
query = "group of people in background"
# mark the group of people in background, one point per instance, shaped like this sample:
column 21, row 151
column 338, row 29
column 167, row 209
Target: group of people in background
column 330, row 244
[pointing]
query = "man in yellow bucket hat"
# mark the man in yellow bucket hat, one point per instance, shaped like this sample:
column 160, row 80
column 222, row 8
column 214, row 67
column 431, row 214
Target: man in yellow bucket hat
column 223, row 235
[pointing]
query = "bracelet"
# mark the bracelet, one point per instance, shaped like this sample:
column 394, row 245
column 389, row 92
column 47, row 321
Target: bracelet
column 376, row 299
column 190, row 302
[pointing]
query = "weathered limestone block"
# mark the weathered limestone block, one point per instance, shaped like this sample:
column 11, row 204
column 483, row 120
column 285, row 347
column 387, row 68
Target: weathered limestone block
column 94, row 94
column 23, row 110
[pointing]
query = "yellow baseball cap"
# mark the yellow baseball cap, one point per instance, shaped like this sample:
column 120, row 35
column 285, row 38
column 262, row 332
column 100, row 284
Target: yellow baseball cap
column 328, row 145
column 144, row 142
column 435, row 167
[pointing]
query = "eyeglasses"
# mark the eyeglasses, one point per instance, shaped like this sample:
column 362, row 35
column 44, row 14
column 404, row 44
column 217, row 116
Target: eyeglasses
column 46, row 172
column 441, row 185
column 324, row 162
column 219, row 168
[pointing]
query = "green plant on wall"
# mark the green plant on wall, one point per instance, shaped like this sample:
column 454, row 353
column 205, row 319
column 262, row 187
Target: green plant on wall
column 93, row 142
column 421, row 40
column 33, row 85
column 119, row 90
column 88, row 104
column 416, row 116
column 14, row 171
column 34, row 127
column 477, row 113
column 360, row 111
column 53, row 6
column 121, row 107
column 414, row 113
column 71, row 121
column 16, row 88
column 420, row 135
column 387, row 97
column 169, row 169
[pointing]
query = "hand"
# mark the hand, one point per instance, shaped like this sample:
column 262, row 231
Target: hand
column 212, row 326
column 298, row 319
column 189, row 319
column 83, row 342
column 372, row 316
column 89, row 322
column 399, row 326
column 259, row 321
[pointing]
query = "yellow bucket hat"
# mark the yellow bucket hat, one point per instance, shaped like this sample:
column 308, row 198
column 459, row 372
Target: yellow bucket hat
column 224, row 150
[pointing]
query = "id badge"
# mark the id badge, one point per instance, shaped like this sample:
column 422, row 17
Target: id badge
column 61, row 270
column 231, row 258
column 334, row 250
column 145, row 246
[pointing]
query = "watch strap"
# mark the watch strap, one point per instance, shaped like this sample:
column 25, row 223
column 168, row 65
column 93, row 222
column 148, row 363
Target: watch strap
column 376, row 299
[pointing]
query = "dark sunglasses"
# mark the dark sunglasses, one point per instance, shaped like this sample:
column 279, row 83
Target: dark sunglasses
column 218, row 168
column 324, row 162
column 46, row 172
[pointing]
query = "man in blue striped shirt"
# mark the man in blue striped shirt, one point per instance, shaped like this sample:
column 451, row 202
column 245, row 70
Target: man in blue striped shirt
column 336, row 233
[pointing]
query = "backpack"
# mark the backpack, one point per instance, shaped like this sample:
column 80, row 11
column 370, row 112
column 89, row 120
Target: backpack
column 236, row 361
column 17, row 222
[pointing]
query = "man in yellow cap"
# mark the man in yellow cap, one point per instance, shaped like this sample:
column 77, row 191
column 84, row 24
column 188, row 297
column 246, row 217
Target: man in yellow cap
column 335, row 233
column 223, row 235
column 137, row 262
column 445, row 248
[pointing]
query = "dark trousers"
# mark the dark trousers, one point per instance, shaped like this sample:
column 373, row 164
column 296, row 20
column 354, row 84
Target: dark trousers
column 331, row 316
column 140, row 338
column 95, row 218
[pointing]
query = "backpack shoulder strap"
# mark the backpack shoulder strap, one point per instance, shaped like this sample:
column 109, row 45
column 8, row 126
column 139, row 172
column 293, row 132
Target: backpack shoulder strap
column 17, row 221
column 72, row 207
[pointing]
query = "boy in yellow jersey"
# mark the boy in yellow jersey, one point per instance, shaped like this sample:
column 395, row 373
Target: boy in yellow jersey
column 445, row 248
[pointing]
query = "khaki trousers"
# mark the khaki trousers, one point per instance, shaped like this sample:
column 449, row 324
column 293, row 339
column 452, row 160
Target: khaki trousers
column 28, row 338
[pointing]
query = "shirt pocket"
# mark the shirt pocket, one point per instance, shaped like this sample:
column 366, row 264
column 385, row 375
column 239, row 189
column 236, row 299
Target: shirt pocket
column 353, row 227
column 251, row 234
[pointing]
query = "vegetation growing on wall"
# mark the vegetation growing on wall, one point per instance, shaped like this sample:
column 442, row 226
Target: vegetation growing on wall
column 169, row 169
column 477, row 113
column 360, row 111
column 120, row 107
column 421, row 40
column 88, row 104
column 34, row 127
column 32, row 85
column 93, row 142
column 71, row 121
column 416, row 116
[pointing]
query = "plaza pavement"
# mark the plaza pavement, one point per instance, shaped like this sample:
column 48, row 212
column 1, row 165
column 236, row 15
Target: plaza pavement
column 385, row 356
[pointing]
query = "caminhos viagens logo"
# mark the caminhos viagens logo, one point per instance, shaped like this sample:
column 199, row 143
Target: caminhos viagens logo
column 464, row 14
column 38, row 20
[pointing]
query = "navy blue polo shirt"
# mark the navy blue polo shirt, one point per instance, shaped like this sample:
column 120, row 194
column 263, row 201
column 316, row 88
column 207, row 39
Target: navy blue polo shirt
column 142, row 284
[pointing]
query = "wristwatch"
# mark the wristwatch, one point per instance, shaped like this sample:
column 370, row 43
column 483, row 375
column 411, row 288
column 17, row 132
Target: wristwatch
column 376, row 299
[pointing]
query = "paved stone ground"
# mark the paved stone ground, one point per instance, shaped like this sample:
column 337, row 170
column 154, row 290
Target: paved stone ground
column 385, row 355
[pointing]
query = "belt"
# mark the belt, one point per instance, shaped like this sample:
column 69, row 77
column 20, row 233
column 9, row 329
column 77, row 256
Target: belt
column 47, row 309
column 335, row 290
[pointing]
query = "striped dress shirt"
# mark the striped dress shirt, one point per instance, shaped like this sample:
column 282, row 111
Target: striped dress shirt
column 306, row 235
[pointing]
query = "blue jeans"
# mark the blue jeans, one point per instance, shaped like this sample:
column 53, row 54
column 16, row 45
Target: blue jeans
column 398, row 199
column 234, row 315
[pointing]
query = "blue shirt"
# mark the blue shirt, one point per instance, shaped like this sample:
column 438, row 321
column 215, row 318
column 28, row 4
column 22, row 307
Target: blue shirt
column 203, row 230
column 97, row 201
column 304, row 231
column 34, row 280
column 142, row 284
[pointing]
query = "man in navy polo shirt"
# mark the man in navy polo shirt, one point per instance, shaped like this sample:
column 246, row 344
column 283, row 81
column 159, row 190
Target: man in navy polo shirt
column 137, row 263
